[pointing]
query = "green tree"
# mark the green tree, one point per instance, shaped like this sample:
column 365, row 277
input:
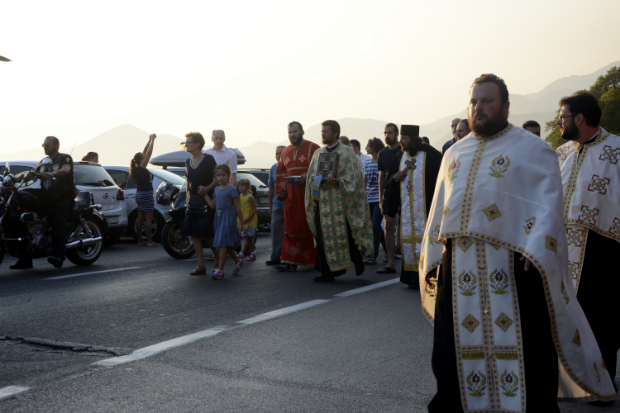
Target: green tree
column 554, row 138
column 607, row 91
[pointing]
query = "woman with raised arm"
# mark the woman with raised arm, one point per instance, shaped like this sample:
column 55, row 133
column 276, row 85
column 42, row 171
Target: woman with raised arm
column 144, row 195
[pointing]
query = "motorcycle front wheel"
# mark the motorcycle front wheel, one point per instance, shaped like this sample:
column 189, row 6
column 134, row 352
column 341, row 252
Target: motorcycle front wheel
column 89, row 254
column 174, row 244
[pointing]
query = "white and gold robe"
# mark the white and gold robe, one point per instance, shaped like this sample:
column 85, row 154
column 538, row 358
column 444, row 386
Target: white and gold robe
column 494, row 196
column 412, row 210
column 591, row 194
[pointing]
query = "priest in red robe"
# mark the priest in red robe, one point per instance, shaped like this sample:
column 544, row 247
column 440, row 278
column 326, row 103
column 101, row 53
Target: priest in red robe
column 298, row 247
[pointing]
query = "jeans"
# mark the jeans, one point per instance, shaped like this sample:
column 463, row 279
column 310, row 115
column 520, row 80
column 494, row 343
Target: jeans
column 377, row 231
column 277, row 232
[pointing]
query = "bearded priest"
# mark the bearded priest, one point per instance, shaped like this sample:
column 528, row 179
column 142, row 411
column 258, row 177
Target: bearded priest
column 413, row 174
column 495, row 275
column 337, row 209
column 591, row 181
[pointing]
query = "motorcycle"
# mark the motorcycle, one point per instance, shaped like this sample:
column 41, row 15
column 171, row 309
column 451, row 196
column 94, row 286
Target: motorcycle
column 26, row 228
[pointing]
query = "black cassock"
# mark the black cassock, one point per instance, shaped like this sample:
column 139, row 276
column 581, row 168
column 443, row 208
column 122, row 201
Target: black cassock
column 432, row 165
column 598, row 295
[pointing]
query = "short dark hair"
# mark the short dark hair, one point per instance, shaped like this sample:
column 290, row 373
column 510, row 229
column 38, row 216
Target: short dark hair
column 197, row 136
column 333, row 126
column 531, row 124
column 356, row 143
column 585, row 103
column 295, row 123
column 222, row 167
column 376, row 144
column 491, row 78
column 393, row 125
column 425, row 139
column 54, row 139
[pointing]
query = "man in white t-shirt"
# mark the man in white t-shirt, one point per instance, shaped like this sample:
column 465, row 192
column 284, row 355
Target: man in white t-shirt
column 222, row 154
column 361, row 157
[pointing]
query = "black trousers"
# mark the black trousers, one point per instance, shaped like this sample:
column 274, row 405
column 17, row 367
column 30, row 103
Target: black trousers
column 540, row 357
column 597, row 294
column 321, row 260
column 59, row 213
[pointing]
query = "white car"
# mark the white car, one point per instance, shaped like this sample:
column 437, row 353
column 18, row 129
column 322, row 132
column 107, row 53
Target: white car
column 89, row 176
column 120, row 174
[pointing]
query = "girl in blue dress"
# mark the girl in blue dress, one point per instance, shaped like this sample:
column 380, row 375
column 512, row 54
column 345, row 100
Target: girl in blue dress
column 225, row 201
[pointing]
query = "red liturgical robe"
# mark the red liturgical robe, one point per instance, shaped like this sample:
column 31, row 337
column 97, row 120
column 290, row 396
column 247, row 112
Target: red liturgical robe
column 298, row 246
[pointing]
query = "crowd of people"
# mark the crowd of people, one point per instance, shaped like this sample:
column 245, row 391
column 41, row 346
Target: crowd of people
column 509, row 242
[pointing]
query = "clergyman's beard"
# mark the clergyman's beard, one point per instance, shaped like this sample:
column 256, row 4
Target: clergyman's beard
column 296, row 141
column 570, row 132
column 330, row 143
column 489, row 127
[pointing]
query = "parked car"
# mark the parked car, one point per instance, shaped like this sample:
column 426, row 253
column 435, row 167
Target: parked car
column 120, row 174
column 262, row 174
column 89, row 176
column 174, row 162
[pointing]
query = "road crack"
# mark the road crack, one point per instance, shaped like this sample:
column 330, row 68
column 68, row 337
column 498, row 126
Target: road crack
column 64, row 345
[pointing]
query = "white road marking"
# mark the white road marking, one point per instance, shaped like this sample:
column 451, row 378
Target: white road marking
column 12, row 391
column 368, row 288
column 180, row 341
column 282, row 311
column 91, row 272
column 158, row 348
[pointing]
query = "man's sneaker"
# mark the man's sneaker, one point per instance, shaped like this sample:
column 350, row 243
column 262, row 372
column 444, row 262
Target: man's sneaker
column 22, row 264
column 237, row 267
column 217, row 274
column 286, row 267
column 55, row 261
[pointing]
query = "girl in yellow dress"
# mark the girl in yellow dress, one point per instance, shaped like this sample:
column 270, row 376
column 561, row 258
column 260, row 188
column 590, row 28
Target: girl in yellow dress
column 250, row 219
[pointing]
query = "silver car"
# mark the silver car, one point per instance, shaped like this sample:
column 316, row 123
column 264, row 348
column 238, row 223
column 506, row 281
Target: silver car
column 89, row 176
column 120, row 174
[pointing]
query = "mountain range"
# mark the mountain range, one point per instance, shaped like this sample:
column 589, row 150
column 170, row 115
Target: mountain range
column 118, row 145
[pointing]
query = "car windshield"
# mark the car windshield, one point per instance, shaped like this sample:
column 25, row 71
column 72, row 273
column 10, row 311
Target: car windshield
column 167, row 176
column 253, row 180
column 92, row 175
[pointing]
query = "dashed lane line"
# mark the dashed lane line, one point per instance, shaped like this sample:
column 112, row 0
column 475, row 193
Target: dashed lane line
column 282, row 311
column 91, row 272
column 368, row 288
column 190, row 338
column 12, row 391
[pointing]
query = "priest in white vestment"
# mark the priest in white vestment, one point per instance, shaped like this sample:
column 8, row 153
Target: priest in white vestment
column 509, row 335
column 591, row 182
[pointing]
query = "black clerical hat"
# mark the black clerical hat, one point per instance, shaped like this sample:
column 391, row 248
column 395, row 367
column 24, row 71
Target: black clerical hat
column 413, row 131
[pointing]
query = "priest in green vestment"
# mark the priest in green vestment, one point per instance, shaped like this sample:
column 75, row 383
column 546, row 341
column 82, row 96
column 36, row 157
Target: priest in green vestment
column 337, row 210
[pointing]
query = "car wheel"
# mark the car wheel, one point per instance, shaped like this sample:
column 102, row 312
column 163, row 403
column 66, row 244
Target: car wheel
column 174, row 244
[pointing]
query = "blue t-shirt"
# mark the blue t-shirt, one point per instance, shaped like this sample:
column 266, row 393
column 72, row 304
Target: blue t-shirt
column 372, row 186
column 272, row 184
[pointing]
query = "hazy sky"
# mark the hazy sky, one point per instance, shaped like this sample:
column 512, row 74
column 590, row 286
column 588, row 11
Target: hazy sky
column 80, row 68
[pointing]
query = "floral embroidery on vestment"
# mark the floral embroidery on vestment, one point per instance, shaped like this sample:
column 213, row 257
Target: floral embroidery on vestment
column 467, row 284
column 464, row 243
column 577, row 338
column 598, row 376
column 562, row 151
column 476, row 384
column 588, row 215
column 446, row 210
column 610, row 154
column 599, row 184
column 453, row 169
column 509, row 383
column 499, row 166
column 563, row 289
column 529, row 224
column 432, row 236
column 498, row 280
column 615, row 226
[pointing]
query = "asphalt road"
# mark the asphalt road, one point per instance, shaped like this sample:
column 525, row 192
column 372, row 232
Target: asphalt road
column 366, row 352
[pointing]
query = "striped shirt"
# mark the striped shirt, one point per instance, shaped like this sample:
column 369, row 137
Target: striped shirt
column 372, row 174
